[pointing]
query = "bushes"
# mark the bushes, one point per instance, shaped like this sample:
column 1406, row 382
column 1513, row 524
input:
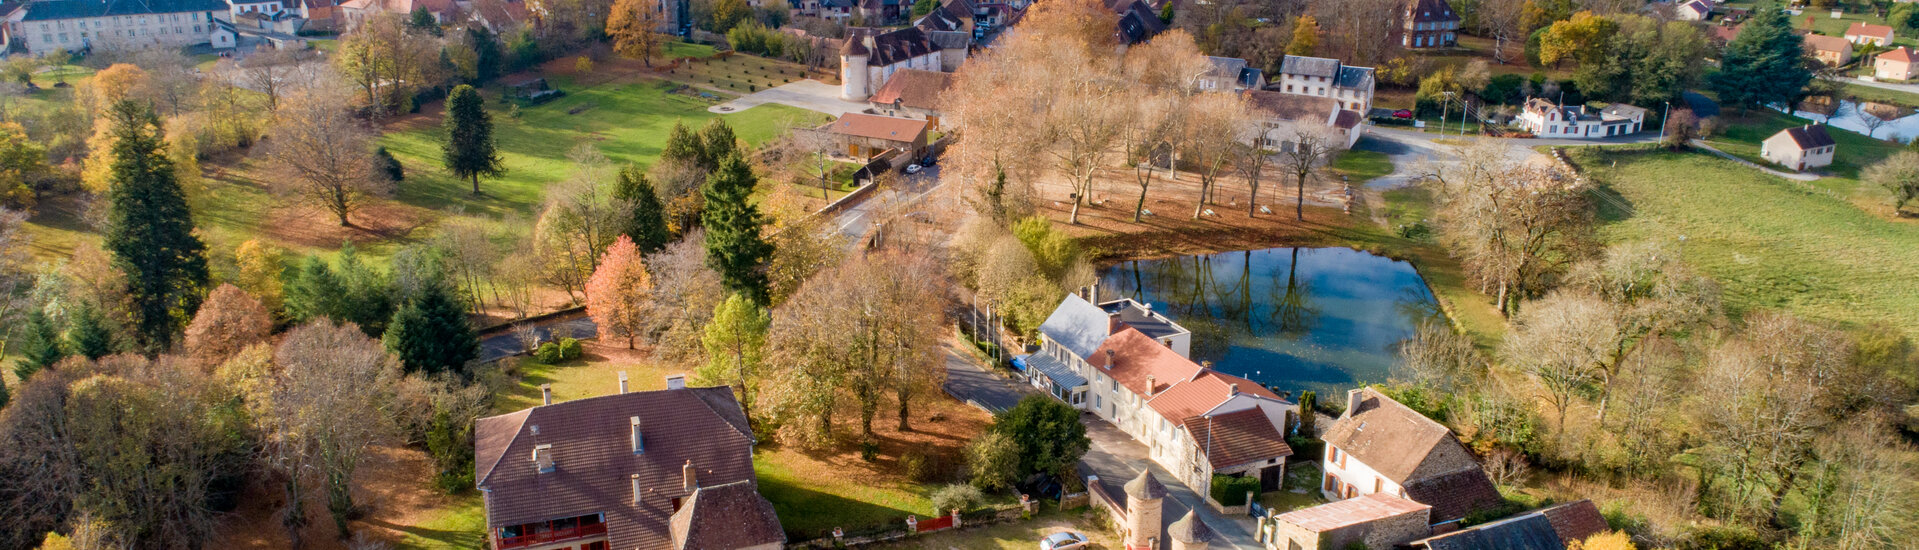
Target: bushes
column 1232, row 490
column 554, row 352
column 958, row 496
column 756, row 39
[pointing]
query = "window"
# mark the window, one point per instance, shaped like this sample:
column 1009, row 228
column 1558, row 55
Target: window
column 1332, row 483
column 1379, row 485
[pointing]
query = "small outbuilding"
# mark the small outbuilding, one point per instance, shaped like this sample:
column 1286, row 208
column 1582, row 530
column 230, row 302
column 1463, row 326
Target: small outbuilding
column 1800, row 148
column 866, row 136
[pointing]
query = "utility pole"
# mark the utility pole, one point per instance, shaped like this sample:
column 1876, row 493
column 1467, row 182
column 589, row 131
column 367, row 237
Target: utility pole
column 1445, row 100
column 1662, row 123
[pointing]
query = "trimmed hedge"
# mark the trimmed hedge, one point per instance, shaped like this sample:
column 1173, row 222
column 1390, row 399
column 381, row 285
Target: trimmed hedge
column 1232, row 490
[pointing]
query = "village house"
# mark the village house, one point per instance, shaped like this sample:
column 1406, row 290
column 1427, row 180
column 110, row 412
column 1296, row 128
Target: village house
column 1231, row 74
column 912, row 93
column 1351, row 87
column 1692, row 10
column 355, row 12
column 868, row 58
column 1280, row 115
column 1895, row 64
column 880, row 13
column 1800, row 148
column 1138, row 22
column 1128, row 365
column 1381, row 446
column 865, row 136
column 1548, row 119
column 1553, row 528
column 1430, row 24
column 1863, row 33
column 84, row 25
column 237, row 7
column 1831, row 50
column 655, row 470
column 1378, row 521
column 1137, row 511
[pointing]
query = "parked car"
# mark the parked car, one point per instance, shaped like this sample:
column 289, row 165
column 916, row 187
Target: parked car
column 1402, row 113
column 914, row 168
column 1063, row 540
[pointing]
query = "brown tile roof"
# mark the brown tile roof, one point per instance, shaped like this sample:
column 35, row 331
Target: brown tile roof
column 1207, row 389
column 1346, row 119
column 1823, row 43
column 726, row 517
column 1860, row 28
column 913, row 88
column 1576, row 520
column 1352, row 511
column 594, row 461
column 905, row 130
column 1426, row 11
column 1145, row 486
column 1808, row 136
column 1295, row 107
column 1900, row 54
column 1237, row 438
column 1189, row 529
column 1129, row 356
column 1414, row 452
column 1456, row 494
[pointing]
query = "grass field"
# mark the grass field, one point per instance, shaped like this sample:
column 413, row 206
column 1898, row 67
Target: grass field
column 458, row 527
column 1855, row 152
column 1360, row 166
column 1772, row 243
column 737, row 73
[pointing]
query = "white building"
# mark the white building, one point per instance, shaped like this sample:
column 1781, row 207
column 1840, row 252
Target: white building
column 1551, row 120
column 869, row 57
column 1127, row 364
column 1351, row 87
column 1800, row 147
column 1380, row 446
column 80, row 25
column 1281, row 115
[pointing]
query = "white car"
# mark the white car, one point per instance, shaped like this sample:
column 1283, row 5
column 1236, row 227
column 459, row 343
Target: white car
column 914, row 168
column 1063, row 540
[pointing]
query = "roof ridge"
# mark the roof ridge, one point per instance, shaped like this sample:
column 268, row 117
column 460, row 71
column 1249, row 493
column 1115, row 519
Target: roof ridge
column 509, row 444
column 716, row 412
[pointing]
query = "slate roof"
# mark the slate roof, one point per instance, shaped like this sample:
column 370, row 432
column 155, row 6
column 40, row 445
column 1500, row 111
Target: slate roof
column 1347, row 119
column 1295, row 107
column 913, row 88
column 1624, row 110
column 1354, row 77
column 72, row 9
column 1353, row 511
column 1575, row 520
column 1237, row 438
column 1077, row 325
column 1429, row 11
column 950, row 40
column 898, row 46
column 1189, row 529
column 1527, row 532
column 1698, row 8
column 594, row 461
column 1808, row 136
column 1414, row 452
column 1226, row 66
column 726, row 517
column 1137, row 21
column 1134, row 356
column 889, row 128
column 1309, row 66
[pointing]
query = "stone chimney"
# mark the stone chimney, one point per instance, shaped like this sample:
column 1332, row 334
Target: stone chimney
column 1152, row 382
column 636, row 489
column 622, row 382
column 676, row 382
column 543, row 458
column 690, row 480
column 1232, row 389
column 1352, row 401
column 867, row 39
column 1109, row 359
column 546, row 394
column 639, row 445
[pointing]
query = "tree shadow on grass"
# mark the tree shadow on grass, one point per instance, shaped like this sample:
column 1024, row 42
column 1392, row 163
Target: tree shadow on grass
column 446, row 538
column 808, row 514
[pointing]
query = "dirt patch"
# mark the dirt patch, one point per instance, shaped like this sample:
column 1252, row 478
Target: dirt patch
column 307, row 225
column 1106, row 223
column 391, row 488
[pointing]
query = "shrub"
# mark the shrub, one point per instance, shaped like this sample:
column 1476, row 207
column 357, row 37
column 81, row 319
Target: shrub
column 1231, row 490
column 1722, row 537
column 913, row 464
column 570, row 348
column 389, row 165
column 548, row 353
column 869, row 450
column 1306, row 446
column 958, row 496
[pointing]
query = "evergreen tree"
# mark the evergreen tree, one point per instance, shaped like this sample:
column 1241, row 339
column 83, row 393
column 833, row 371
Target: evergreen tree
column 683, row 146
column 646, row 218
column 488, row 56
column 389, row 165
column 88, row 335
column 3, row 392
column 1763, row 65
column 366, row 297
column 311, row 291
column 150, row 229
column 469, row 148
column 39, row 347
column 430, row 333
column 716, row 142
column 423, row 20
column 734, row 246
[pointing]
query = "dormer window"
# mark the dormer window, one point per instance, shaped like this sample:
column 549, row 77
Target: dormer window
column 543, row 458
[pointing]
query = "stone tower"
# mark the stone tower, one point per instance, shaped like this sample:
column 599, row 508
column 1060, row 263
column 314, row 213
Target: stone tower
column 853, row 56
column 1189, row 533
column 1144, row 496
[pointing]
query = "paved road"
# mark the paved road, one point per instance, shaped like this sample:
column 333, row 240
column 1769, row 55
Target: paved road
column 504, row 343
column 809, row 94
column 1116, row 458
column 1413, row 152
column 970, row 381
column 1908, row 88
column 855, row 221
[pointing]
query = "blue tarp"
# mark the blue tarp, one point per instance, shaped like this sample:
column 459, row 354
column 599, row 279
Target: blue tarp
column 1019, row 363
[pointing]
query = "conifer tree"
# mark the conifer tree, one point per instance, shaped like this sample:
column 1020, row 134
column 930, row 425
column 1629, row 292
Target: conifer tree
column 734, row 246
column 682, row 145
column 716, row 142
column 88, row 335
column 1763, row 64
column 469, row 148
column 646, row 217
column 430, row 333
column 366, row 297
column 311, row 291
column 39, row 347
column 150, row 230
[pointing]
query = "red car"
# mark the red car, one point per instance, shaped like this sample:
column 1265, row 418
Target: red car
column 1402, row 113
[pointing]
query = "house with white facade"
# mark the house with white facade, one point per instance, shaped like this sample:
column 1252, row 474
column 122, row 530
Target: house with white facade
column 82, row 25
column 1351, row 87
column 1128, row 365
column 1547, row 119
column 1800, row 147
column 869, row 58
column 1381, row 446
column 1280, row 115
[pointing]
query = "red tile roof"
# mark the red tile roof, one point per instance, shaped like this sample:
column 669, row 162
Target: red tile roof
column 913, row 88
column 1352, row 511
column 1237, row 438
column 888, row 128
column 1134, row 356
column 1576, row 520
column 1206, row 390
column 1860, row 28
column 594, row 462
column 1900, row 54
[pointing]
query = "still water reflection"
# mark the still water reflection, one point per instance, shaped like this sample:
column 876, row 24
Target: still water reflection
column 1321, row 319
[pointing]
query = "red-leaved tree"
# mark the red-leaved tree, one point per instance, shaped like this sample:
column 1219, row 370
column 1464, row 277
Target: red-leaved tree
column 617, row 292
column 230, row 320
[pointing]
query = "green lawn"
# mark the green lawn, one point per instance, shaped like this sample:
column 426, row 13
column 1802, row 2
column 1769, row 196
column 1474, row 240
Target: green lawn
column 812, row 497
column 1772, row 243
column 1018, row 535
column 738, row 73
column 458, row 527
column 1361, row 166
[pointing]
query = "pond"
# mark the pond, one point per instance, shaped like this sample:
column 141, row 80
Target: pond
column 1847, row 116
column 1320, row 319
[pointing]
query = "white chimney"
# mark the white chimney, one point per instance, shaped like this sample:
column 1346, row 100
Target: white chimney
column 1352, row 401
column 622, row 382
column 639, row 445
column 546, row 394
column 676, row 382
column 636, row 489
column 543, row 458
column 690, row 480
column 1232, row 389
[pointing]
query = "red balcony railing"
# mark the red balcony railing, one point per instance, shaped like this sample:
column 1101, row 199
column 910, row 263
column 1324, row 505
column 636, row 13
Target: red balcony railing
column 556, row 535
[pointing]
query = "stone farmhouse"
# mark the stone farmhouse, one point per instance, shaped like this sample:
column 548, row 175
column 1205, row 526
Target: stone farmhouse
column 655, row 470
column 1381, row 446
column 1280, row 113
column 1351, row 87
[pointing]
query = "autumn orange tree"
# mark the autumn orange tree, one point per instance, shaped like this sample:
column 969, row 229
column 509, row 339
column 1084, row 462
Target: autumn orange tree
column 617, row 293
column 634, row 27
column 229, row 321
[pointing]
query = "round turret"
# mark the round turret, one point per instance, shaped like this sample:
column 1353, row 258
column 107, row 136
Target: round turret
column 1144, row 497
column 853, row 68
column 1189, row 533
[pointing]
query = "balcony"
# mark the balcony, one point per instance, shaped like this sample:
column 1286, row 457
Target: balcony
column 551, row 536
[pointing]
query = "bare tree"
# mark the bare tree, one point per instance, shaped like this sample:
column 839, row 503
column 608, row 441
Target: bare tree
column 170, row 78
column 685, row 293
column 1763, row 404
column 325, row 410
column 581, row 218
column 1213, row 139
column 1304, row 149
column 1513, row 225
column 1559, row 341
column 275, row 72
column 326, row 155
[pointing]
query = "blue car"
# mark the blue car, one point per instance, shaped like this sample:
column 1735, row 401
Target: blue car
column 1063, row 540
